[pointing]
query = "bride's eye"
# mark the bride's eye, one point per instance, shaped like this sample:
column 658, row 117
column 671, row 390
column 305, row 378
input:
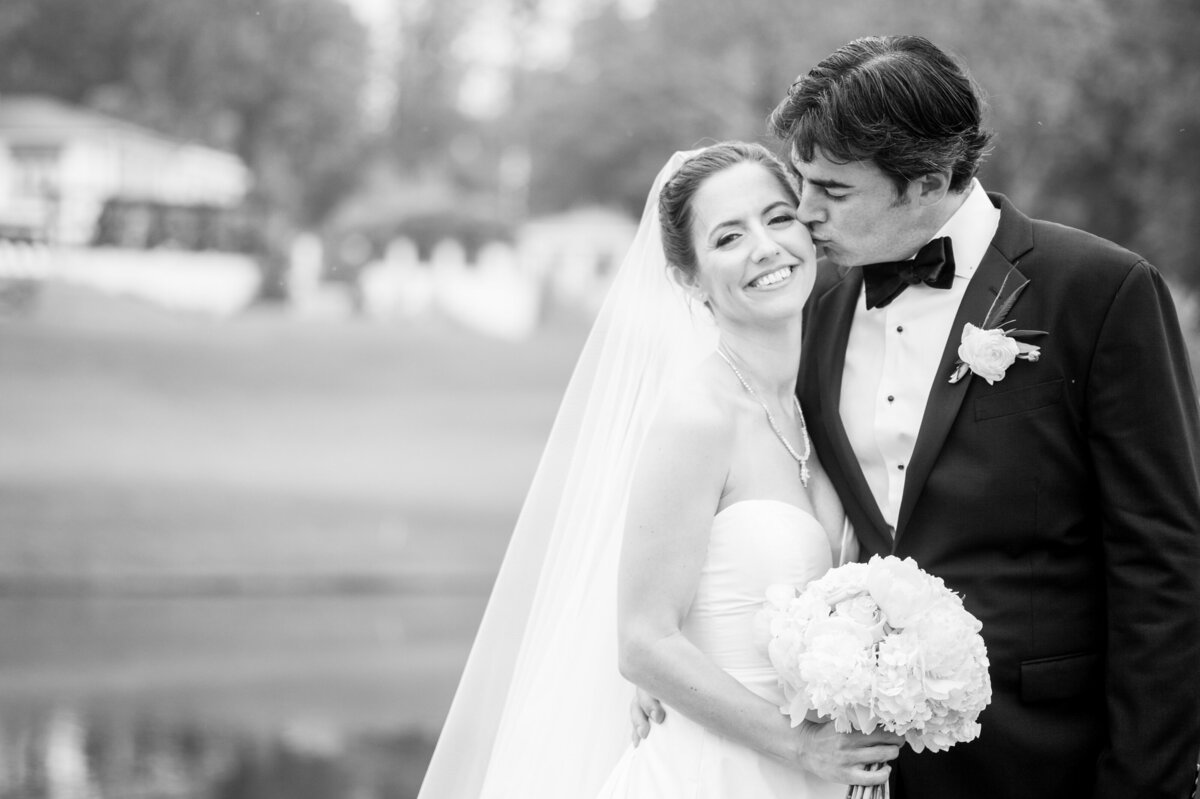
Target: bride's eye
column 728, row 238
column 782, row 219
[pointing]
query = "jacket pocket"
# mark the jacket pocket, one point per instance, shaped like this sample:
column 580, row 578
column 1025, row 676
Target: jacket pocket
column 1060, row 677
column 1018, row 400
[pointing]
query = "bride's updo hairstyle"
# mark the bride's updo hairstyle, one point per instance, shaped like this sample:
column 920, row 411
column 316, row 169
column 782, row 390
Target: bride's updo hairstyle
column 675, row 200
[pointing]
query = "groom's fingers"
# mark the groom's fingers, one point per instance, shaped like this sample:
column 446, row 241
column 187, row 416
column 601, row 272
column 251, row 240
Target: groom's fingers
column 651, row 707
column 641, row 724
column 642, row 710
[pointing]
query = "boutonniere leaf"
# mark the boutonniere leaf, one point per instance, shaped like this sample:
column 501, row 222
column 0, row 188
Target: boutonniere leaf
column 1000, row 307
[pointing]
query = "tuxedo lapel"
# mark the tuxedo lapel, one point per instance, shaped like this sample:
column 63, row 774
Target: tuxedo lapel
column 996, row 273
column 837, row 314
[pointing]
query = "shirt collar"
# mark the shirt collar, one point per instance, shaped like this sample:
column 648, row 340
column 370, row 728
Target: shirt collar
column 971, row 229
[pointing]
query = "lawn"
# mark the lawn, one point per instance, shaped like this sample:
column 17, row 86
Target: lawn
column 257, row 522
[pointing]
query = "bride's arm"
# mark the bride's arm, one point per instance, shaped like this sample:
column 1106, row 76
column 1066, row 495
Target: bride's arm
column 677, row 488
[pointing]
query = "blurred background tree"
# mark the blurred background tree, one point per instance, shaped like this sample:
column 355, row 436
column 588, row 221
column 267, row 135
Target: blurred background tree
column 1095, row 103
column 498, row 109
column 276, row 81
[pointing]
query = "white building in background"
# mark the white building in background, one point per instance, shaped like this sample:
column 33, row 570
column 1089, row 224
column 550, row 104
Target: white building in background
column 576, row 253
column 567, row 259
column 59, row 163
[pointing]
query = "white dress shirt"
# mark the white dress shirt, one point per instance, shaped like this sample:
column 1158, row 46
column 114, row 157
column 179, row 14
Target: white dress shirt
column 892, row 357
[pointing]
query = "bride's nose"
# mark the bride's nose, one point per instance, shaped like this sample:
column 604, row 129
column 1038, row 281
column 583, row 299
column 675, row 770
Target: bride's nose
column 765, row 246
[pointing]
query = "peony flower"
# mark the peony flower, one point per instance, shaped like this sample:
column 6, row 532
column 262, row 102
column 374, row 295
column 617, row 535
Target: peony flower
column 879, row 644
column 902, row 590
column 862, row 608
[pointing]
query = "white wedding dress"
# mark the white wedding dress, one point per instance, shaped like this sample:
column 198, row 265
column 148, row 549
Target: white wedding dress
column 754, row 544
column 541, row 711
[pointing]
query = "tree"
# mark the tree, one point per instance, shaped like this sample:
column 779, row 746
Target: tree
column 1093, row 101
column 426, row 117
column 636, row 90
column 277, row 81
column 1132, row 165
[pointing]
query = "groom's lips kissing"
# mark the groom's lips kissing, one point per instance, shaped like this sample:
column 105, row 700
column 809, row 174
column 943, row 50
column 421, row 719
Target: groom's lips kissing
column 820, row 242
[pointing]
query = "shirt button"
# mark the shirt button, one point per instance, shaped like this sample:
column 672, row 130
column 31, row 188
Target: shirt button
column 891, row 398
column 900, row 466
column 899, row 328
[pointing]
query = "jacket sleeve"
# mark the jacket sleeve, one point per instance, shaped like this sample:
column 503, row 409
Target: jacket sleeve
column 1144, row 439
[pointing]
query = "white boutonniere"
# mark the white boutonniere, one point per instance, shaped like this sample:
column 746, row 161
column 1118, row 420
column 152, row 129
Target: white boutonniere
column 989, row 350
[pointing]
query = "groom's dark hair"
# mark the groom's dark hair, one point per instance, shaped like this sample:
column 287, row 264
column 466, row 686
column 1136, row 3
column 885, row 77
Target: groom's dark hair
column 896, row 100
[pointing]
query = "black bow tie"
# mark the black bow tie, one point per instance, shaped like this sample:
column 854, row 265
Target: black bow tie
column 933, row 266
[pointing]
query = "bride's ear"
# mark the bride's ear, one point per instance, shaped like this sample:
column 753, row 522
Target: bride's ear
column 691, row 287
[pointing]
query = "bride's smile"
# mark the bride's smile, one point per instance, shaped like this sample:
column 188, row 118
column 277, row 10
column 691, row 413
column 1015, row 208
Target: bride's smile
column 754, row 259
column 774, row 278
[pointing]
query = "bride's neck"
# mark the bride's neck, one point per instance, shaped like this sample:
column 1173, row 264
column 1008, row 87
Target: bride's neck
column 769, row 359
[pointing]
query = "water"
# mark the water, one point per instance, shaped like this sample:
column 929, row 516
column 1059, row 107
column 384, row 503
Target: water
column 63, row 754
column 226, row 696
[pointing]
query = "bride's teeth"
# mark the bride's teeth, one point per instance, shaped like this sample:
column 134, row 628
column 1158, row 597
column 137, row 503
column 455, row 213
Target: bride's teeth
column 772, row 278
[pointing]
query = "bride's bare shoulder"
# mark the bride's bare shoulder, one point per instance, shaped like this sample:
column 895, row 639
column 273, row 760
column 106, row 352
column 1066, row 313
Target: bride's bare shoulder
column 699, row 402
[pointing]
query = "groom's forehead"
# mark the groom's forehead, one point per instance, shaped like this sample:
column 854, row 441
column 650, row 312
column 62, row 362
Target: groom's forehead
column 823, row 170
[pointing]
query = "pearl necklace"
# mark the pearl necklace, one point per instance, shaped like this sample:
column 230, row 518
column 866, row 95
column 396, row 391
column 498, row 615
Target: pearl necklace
column 800, row 459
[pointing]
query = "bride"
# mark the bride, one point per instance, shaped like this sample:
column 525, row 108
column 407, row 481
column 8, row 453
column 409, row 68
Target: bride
column 678, row 483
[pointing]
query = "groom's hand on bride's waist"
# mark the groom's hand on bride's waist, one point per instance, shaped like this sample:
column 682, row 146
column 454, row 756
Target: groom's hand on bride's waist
column 642, row 710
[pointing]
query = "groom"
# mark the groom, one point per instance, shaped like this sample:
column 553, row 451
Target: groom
column 1057, row 492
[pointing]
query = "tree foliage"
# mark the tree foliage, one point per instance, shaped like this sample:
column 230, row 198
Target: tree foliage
column 425, row 117
column 277, row 81
column 1094, row 102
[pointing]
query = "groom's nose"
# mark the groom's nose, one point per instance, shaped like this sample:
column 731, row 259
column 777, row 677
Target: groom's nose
column 810, row 211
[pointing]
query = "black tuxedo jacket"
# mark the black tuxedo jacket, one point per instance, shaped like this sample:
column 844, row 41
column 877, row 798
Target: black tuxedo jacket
column 1063, row 504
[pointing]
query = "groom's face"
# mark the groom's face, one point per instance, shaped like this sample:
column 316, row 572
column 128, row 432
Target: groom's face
column 854, row 213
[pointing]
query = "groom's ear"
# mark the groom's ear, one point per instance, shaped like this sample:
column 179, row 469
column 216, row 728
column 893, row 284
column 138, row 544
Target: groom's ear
column 932, row 188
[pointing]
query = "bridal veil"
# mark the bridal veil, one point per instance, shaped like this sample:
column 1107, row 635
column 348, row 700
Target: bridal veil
column 541, row 711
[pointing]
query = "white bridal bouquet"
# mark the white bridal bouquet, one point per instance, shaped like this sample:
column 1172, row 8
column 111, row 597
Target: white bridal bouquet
column 880, row 644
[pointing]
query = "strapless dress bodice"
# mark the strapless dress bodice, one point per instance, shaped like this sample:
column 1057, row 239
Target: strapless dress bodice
column 753, row 544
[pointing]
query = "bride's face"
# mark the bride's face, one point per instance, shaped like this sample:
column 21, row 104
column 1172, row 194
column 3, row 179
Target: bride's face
column 755, row 260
